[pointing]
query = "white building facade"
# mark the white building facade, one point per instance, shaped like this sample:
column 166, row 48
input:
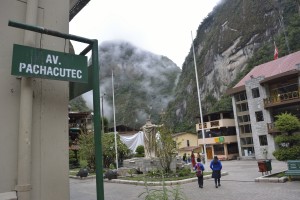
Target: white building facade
column 266, row 91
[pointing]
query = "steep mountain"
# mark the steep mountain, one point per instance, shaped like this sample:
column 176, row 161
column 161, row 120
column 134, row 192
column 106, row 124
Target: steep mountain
column 236, row 36
column 144, row 83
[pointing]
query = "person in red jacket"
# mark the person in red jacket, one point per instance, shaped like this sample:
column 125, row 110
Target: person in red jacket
column 193, row 159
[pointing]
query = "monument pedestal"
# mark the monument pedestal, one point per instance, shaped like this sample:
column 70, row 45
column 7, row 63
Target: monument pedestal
column 147, row 164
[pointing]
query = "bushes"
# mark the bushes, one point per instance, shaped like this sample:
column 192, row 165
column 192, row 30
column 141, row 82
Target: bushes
column 289, row 141
column 109, row 152
column 184, row 172
column 287, row 123
column 140, row 151
column 292, row 153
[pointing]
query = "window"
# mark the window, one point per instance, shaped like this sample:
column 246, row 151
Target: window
column 187, row 143
column 228, row 116
column 240, row 96
column 242, row 107
column 259, row 116
column 244, row 118
column 228, row 131
column 247, row 151
column 263, row 141
column 219, row 149
column 255, row 93
column 246, row 141
column 245, row 129
column 232, row 148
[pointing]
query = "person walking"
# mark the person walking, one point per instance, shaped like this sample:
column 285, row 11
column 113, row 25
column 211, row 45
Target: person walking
column 199, row 168
column 198, row 155
column 216, row 167
column 184, row 158
column 193, row 159
column 188, row 158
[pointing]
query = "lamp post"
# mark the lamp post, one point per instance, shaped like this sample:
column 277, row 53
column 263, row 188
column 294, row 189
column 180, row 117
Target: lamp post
column 102, row 113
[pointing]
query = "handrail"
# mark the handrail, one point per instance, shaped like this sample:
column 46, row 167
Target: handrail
column 282, row 97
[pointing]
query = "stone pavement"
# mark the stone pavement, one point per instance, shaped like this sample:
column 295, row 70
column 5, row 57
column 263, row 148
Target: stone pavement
column 239, row 184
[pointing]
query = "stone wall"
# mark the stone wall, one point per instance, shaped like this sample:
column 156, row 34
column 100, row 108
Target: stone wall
column 146, row 164
column 259, row 127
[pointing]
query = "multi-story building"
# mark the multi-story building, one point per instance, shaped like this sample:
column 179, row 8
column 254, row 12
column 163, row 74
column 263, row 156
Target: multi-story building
column 82, row 120
column 266, row 91
column 220, row 135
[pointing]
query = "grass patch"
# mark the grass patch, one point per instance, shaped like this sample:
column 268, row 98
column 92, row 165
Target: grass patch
column 277, row 175
column 171, row 177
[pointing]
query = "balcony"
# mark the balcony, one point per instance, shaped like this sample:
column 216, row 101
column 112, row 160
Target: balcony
column 282, row 99
column 272, row 129
column 216, row 124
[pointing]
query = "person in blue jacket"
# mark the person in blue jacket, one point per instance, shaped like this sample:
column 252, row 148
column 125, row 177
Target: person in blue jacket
column 216, row 167
column 201, row 166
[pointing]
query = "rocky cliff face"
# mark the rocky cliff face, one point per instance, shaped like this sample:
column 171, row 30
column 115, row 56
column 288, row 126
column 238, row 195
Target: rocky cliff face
column 144, row 83
column 236, row 36
column 233, row 38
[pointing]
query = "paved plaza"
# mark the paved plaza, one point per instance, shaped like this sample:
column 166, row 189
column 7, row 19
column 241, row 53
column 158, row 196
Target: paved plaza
column 239, row 184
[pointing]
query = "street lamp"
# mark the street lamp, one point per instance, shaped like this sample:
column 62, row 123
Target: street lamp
column 102, row 113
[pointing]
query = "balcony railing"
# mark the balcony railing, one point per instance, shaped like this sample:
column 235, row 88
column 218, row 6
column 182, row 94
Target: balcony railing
column 271, row 128
column 216, row 124
column 200, row 125
column 282, row 98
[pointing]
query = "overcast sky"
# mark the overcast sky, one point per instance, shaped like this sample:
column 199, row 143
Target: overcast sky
column 162, row 27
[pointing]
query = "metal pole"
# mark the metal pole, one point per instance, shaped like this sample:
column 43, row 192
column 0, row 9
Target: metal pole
column 43, row 30
column 97, row 125
column 115, row 131
column 102, row 113
column 199, row 100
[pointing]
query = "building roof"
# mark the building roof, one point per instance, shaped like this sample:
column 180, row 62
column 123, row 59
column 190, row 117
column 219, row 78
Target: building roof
column 75, row 7
column 270, row 70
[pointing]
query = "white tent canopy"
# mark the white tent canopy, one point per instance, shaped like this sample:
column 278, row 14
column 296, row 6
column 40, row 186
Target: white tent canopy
column 133, row 141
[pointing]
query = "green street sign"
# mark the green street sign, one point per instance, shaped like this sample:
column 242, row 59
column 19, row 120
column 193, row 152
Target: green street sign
column 42, row 63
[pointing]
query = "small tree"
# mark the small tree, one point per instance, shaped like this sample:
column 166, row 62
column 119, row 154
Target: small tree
column 109, row 152
column 87, row 150
column 165, row 148
column 140, row 151
column 287, row 122
column 288, row 141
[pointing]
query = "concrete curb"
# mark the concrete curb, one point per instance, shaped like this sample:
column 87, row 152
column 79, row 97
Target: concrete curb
column 266, row 179
column 88, row 177
column 262, row 179
column 159, row 183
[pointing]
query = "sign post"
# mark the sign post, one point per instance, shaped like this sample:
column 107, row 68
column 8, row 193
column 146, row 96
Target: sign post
column 82, row 81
